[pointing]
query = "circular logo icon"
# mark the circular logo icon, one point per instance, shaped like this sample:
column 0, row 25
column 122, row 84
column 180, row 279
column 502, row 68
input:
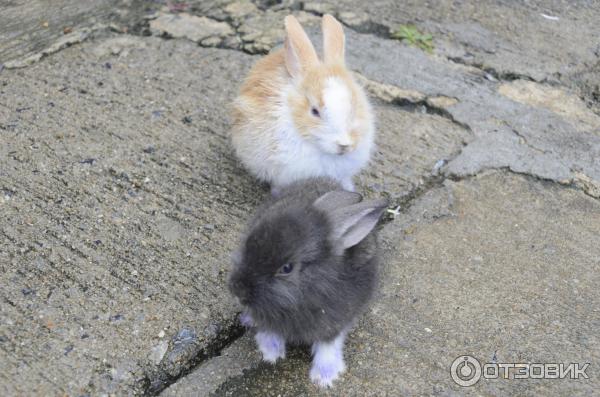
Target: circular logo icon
column 465, row 371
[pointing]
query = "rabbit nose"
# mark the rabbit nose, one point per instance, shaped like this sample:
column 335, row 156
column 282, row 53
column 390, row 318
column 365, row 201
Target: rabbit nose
column 344, row 143
column 343, row 148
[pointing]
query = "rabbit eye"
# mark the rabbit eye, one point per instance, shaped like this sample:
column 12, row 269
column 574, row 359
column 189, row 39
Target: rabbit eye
column 286, row 269
column 315, row 112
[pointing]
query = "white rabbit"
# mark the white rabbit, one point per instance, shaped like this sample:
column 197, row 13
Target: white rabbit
column 298, row 117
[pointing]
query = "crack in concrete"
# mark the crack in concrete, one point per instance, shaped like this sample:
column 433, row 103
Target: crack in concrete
column 580, row 182
column 67, row 41
column 365, row 26
column 587, row 184
column 383, row 31
column 489, row 72
column 155, row 383
column 523, row 140
column 226, row 43
column 411, row 100
column 142, row 28
column 431, row 183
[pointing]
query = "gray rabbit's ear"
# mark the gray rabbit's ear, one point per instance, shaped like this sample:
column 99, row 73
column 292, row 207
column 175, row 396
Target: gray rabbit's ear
column 336, row 199
column 351, row 224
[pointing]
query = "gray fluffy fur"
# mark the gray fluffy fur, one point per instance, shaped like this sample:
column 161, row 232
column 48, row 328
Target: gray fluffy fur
column 328, row 287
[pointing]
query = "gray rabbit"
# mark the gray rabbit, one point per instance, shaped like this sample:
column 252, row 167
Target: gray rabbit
column 306, row 270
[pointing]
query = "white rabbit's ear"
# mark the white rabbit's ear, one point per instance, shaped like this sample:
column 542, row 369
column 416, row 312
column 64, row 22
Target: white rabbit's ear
column 353, row 223
column 299, row 51
column 333, row 40
column 337, row 199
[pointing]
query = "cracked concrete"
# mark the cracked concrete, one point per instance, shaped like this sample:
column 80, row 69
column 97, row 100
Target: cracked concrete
column 202, row 30
column 121, row 199
column 506, row 275
column 113, row 216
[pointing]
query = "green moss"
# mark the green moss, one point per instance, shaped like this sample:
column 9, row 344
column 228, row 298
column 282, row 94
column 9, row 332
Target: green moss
column 411, row 35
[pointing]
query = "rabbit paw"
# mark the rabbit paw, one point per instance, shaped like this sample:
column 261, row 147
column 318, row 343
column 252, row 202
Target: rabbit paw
column 328, row 362
column 324, row 372
column 272, row 346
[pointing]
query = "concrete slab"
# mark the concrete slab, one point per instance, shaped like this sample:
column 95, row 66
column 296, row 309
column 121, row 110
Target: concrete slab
column 409, row 146
column 522, row 136
column 507, row 39
column 121, row 202
column 30, row 27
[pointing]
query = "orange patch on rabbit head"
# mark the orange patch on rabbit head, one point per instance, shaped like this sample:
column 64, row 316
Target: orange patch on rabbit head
column 309, row 102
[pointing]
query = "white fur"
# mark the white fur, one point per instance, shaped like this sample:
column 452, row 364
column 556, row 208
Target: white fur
column 328, row 361
column 298, row 157
column 337, row 116
column 278, row 154
column 265, row 136
column 272, row 346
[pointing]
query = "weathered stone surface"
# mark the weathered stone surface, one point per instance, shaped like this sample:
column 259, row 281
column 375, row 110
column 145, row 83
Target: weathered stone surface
column 524, row 138
column 587, row 184
column 442, row 102
column 389, row 93
column 208, row 377
column 240, row 10
column 565, row 104
column 507, row 38
column 121, row 202
column 263, row 31
column 198, row 29
column 500, row 267
column 30, row 27
column 409, row 145
column 60, row 44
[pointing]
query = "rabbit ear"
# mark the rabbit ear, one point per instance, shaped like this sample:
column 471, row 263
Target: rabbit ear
column 299, row 51
column 336, row 199
column 353, row 223
column 333, row 40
